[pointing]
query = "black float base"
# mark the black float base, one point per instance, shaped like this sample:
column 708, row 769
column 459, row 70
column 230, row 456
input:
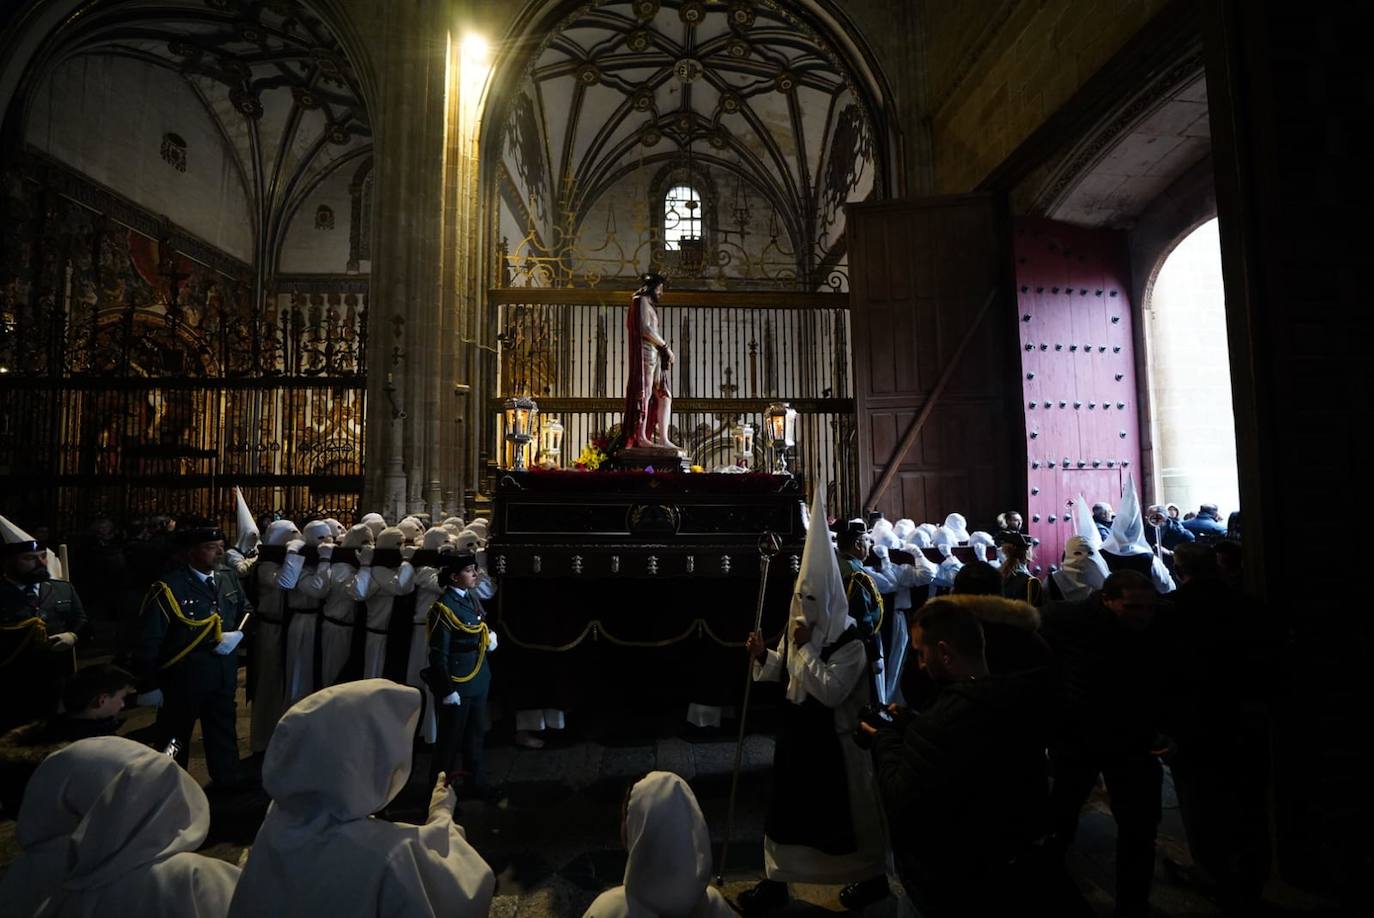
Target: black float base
column 660, row 458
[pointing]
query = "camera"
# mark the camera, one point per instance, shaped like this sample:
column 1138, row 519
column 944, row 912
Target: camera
column 875, row 717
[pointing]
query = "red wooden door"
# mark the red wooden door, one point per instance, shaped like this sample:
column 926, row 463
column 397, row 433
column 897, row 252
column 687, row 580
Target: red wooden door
column 920, row 274
column 1077, row 370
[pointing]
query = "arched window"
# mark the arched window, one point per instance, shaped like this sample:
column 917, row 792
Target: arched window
column 681, row 216
column 1190, row 377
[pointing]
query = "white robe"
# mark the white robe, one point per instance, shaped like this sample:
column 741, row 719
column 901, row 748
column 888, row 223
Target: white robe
column 269, row 687
column 668, row 871
column 840, row 684
column 387, row 584
column 427, row 592
column 348, row 586
column 320, row 852
column 312, row 587
column 130, row 850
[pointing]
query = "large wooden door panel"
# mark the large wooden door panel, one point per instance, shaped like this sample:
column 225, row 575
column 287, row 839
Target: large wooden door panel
column 922, row 273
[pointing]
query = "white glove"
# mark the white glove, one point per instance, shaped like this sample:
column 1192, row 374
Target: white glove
column 365, row 556
column 442, row 799
column 294, row 546
column 62, row 640
column 491, row 641
column 326, row 550
column 227, row 642
column 880, row 551
column 151, row 699
column 451, row 698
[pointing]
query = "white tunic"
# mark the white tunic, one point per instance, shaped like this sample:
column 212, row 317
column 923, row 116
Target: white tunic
column 387, row 583
column 126, row 820
column 310, row 591
column 320, row 852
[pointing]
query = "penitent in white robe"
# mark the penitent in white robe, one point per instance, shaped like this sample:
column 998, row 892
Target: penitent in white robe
column 339, row 756
column 668, row 871
column 130, row 852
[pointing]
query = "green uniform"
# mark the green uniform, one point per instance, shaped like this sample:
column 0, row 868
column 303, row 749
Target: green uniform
column 30, row 672
column 182, row 619
column 458, row 662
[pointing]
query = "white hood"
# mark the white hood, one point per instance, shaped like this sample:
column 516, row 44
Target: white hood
column 1081, row 572
column 317, row 533
column 956, row 524
column 668, row 871
column 246, row 537
column 1086, row 529
column 437, row 538
column 904, row 529
column 279, row 532
column 374, row 521
column 818, row 595
column 145, row 815
column 884, row 533
column 337, row 757
column 1127, row 537
column 981, row 542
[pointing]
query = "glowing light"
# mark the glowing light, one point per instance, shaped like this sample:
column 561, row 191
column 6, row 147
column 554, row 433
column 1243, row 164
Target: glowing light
column 475, row 48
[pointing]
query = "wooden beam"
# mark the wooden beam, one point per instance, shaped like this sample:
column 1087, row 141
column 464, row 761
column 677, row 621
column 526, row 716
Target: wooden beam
column 919, row 422
column 687, row 405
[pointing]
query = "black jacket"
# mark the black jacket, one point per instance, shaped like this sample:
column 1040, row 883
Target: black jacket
column 964, row 787
column 1112, row 681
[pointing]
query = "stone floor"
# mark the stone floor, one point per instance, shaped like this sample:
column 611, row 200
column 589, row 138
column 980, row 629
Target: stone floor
column 553, row 840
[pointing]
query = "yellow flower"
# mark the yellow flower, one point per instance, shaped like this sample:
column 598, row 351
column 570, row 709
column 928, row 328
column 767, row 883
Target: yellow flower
column 697, row 468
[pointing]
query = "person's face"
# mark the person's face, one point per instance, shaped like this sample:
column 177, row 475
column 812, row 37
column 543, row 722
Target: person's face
column 110, row 705
column 1014, row 521
column 1173, row 512
column 466, row 579
column 104, row 530
column 203, row 555
column 933, row 658
column 1135, row 609
column 863, row 546
column 658, row 290
column 28, row 567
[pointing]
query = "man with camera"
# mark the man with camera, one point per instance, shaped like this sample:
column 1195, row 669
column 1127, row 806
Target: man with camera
column 962, row 781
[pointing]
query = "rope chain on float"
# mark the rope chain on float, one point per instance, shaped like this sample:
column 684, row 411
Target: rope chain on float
column 769, row 545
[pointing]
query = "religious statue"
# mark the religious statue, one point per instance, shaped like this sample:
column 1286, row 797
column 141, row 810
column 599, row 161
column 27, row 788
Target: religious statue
column 648, row 394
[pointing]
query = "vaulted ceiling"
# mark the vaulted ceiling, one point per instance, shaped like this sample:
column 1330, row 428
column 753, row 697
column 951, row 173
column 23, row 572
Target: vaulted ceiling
column 748, row 87
column 271, row 75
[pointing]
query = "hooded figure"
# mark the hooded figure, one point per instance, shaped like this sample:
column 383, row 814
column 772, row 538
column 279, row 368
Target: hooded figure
column 321, row 852
column 427, row 590
column 904, row 528
column 1079, row 575
column 922, row 538
column 956, row 524
column 386, row 584
column 305, row 601
column 944, row 541
column 412, row 529
column 668, row 871
column 247, row 536
column 885, row 534
column 108, row 827
column 374, row 521
column 349, row 585
column 336, row 528
column 482, row 528
column 837, row 835
column 1126, row 548
column 899, row 580
column 981, row 542
column 274, row 580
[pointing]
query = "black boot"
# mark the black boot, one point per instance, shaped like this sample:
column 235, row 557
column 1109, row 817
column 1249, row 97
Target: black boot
column 765, row 897
column 858, row 896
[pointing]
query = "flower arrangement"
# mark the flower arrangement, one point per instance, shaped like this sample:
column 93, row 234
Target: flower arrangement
column 593, row 454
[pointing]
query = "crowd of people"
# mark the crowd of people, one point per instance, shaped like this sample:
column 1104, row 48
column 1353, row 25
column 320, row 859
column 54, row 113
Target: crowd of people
column 946, row 714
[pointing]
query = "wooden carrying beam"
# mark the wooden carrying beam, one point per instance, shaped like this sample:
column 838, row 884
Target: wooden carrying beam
column 919, row 422
column 584, row 296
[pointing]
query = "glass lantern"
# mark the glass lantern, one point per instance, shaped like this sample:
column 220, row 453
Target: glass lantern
column 521, row 413
column 551, row 444
column 780, row 421
column 744, row 445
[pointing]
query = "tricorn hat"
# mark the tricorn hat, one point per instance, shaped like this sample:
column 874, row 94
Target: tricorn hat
column 16, row 540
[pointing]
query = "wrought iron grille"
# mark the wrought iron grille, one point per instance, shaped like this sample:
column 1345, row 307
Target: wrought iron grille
column 736, row 352
column 140, row 371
